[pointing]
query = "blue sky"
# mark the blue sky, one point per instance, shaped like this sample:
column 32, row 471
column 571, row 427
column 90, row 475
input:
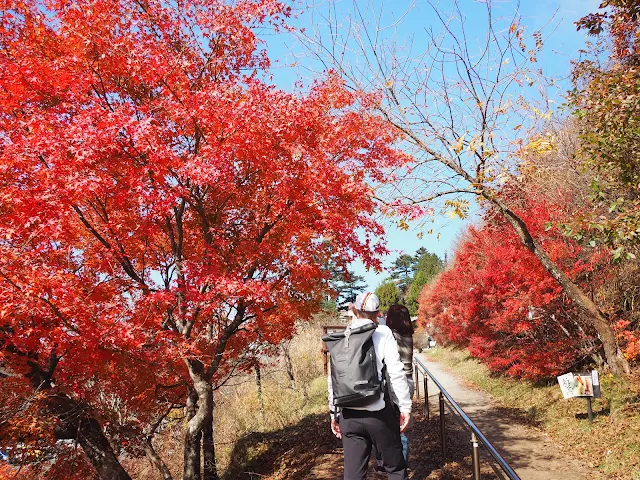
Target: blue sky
column 292, row 63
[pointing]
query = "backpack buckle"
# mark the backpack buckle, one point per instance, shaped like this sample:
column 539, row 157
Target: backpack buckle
column 347, row 334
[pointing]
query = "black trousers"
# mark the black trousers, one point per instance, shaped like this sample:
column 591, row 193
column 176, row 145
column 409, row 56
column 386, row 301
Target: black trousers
column 360, row 430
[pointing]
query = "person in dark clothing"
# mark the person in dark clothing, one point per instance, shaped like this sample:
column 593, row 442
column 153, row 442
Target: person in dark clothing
column 399, row 321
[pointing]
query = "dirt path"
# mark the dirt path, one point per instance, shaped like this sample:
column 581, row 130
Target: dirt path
column 532, row 454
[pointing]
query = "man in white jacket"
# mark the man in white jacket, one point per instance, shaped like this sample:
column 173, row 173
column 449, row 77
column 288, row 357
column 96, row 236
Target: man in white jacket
column 377, row 423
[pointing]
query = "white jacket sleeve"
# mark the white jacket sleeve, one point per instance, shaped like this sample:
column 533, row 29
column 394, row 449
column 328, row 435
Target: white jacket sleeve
column 397, row 376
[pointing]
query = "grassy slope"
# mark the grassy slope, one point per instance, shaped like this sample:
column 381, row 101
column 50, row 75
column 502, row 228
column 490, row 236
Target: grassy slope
column 283, row 451
column 611, row 444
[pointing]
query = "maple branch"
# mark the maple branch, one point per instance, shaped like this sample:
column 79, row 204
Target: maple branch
column 220, row 383
column 169, row 323
column 199, row 206
column 59, row 314
column 266, row 228
column 176, row 238
column 122, row 259
column 196, row 311
column 198, row 135
column 67, row 323
column 91, row 229
column 102, row 94
column 128, row 267
column 414, row 201
column 226, row 335
column 169, row 387
column 41, row 377
column 150, row 452
column 7, row 373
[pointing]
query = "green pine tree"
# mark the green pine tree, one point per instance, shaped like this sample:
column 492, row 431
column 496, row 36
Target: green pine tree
column 388, row 293
column 428, row 266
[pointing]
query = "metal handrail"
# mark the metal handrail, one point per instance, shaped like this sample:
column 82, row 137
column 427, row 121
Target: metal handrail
column 476, row 434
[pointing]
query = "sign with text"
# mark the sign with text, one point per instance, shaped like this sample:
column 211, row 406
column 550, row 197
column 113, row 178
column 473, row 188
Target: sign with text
column 585, row 384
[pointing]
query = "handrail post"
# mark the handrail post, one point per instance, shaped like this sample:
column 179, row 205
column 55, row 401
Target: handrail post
column 443, row 430
column 417, row 384
column 426, row 397
column 475, row 457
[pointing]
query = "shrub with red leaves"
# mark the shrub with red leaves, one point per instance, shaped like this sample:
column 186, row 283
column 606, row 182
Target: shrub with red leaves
column 497, row 300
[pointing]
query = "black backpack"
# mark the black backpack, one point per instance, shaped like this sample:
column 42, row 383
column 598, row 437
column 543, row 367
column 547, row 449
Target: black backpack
column 354, row 374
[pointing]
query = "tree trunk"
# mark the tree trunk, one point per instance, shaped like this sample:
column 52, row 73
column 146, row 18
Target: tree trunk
column 76, row 423
column 198, row 414
column 259, row 388
column 208, row 447
column 192, row 444
column 615, row 358
column 191, row 469
column 289, row 365
column 156, row 461
column 99, row 451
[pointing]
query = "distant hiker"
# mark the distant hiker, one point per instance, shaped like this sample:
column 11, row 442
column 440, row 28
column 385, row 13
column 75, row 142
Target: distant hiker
column 362, row 412
column 399, row 321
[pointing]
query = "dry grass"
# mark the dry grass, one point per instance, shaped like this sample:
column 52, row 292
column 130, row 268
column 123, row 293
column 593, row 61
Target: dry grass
column 286, row 402
column 611, row 444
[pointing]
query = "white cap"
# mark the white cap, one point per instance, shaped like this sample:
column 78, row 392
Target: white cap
column 367, row 302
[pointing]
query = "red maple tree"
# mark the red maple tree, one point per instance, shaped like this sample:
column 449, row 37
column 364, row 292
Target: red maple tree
column 163, row 209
